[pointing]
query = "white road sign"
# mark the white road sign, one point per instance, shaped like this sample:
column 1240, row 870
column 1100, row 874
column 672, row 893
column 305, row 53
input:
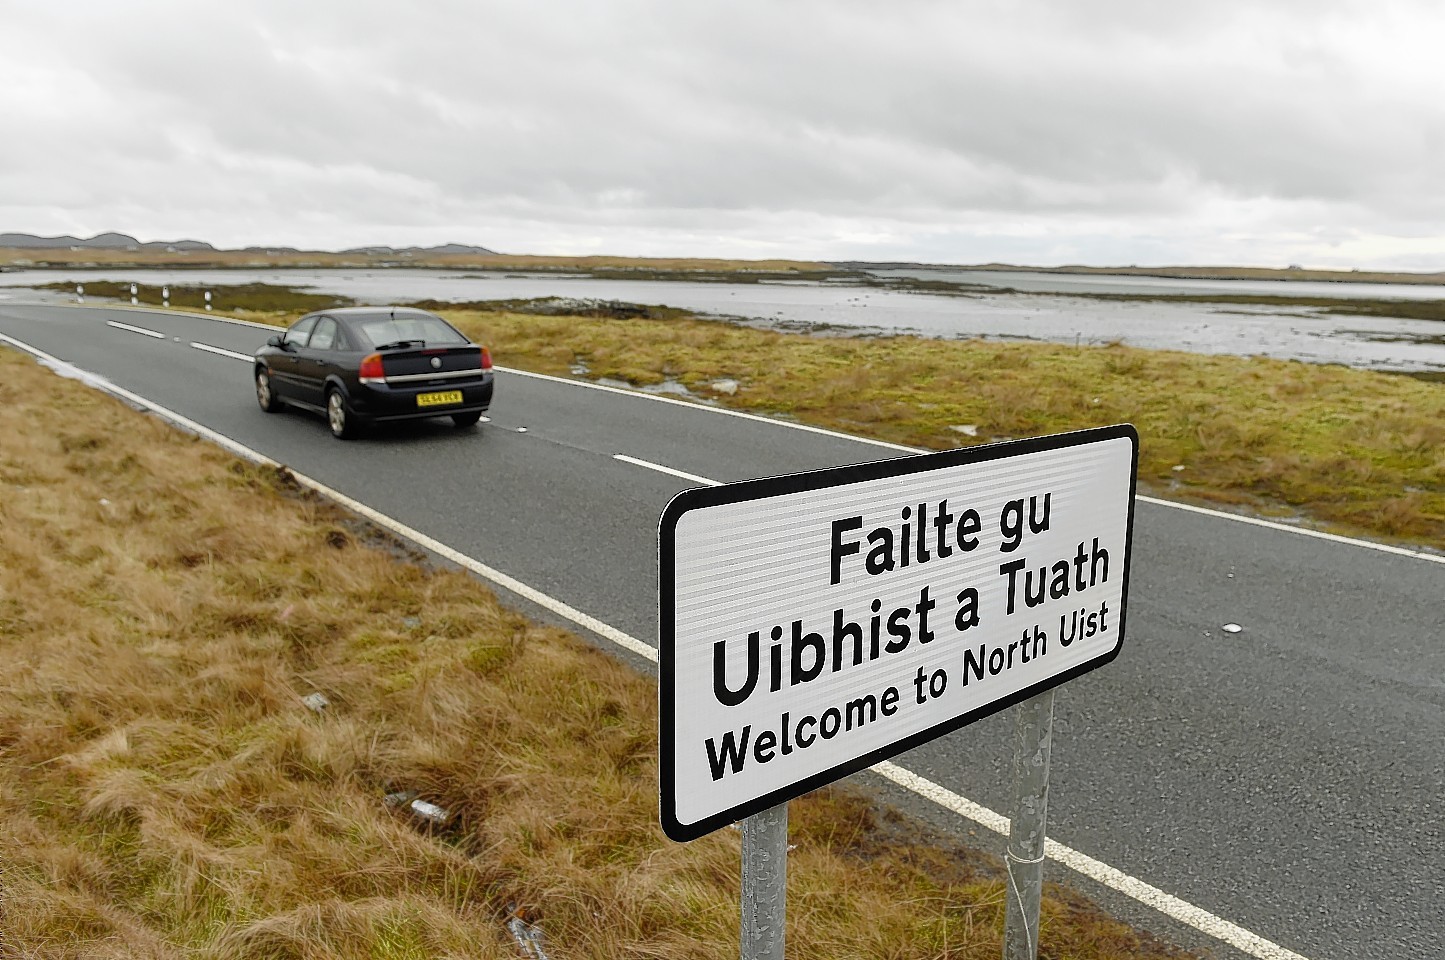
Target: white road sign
column 812, row 625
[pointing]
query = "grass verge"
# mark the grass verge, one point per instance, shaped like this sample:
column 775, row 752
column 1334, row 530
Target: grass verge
column 244, row 297
column 682, row 267
column 1363, row 452
column 1335, row 306
column 165, row 793
column 1359, row 452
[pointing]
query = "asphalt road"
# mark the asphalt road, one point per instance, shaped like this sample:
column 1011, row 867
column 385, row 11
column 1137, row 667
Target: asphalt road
column 1287, row 778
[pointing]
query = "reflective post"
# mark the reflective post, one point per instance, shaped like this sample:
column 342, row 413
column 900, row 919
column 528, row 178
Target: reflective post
column 1033, row 739
column 765, row 883
column 208, row 299
column 80, row 293
column 165, row 296
column 132, row 294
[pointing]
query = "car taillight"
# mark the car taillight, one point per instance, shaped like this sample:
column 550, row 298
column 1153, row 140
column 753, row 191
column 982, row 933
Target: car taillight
column 371, row 371
column 486, row 359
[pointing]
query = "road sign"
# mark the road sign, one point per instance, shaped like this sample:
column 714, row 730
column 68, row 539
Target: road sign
column 812, row 625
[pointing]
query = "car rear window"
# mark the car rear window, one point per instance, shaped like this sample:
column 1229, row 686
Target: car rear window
column 376, row 331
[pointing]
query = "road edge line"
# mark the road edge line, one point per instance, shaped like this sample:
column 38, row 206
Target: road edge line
column 809, row 428
column 1111, row 877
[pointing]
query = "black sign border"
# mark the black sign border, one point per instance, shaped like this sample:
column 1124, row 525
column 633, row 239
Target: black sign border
column 741, row 492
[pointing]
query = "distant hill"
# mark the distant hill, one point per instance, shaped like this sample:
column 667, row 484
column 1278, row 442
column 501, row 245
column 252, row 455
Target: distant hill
column 101, row 241
column 122, row 241
column 442, row 248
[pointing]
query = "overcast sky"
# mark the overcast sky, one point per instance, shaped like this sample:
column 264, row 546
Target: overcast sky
column 1075, row 131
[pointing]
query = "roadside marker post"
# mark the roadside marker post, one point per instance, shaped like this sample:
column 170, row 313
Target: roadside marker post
column 132, row 295
column 208, row 299
column 165, row 296
column 80, row 293
column 816, row 624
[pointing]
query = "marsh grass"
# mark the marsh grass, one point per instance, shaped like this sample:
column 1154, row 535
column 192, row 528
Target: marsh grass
column 246, row 297
column 1360, row 451
column 1355, row 451
column 165, row 794
column 1338, row 306
column 682, row 267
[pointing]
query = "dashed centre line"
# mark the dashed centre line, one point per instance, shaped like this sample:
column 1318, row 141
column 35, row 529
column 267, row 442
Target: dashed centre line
column 648, row 464
column 1096, row 870
column 637, row 394
column 134, row 329
column 222, row 351
column 1147, row 894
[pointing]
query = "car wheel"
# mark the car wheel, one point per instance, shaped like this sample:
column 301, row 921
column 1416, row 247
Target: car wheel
column 337, row 417
column 265, row 393
column 466, row 419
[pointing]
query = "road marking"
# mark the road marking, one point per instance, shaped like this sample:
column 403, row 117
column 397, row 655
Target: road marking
column 1302, row 531
column 667, row 470
column 1205, row 511
column 416, row 536
column 722, row 410
column 223, row 352
column 1147, row 894
column 141, row 330
column 638, row 394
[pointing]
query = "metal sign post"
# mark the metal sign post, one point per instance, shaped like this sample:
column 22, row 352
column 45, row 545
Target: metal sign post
column 765, row 883
column 814, row 624
column 1033, row 741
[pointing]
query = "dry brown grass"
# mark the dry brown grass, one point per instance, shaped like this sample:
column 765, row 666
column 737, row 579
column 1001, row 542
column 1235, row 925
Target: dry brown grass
column 164, row 793
column 1242, row 273
column 1362, row 452
column 43, row 257
column 1354, row 451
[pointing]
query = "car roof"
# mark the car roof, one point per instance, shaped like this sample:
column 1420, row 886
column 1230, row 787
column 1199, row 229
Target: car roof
column 358, row 313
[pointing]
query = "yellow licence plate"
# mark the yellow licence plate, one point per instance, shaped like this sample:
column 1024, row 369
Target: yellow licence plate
column 438, row 399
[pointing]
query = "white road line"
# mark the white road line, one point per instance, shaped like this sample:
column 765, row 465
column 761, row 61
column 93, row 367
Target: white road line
column 1097, row 870
column 223, row 352
column 1147, row 894
column 1205, row 511
column 1151, row 896
column 701, row 406
column 1172, row 504
column 1302, row 531
column 382, row 520
column 668, row 470
column 141, row 330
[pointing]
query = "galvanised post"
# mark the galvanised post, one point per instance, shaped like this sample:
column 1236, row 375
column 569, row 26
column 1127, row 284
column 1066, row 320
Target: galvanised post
column 1033, row 738
column 765, row 883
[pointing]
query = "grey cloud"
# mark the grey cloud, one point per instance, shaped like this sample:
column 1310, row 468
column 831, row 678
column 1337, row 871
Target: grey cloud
column 932, row 123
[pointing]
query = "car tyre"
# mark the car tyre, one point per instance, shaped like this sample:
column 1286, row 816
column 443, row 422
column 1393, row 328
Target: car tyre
column 338, row 418
column 265, row 392
column 464, row 420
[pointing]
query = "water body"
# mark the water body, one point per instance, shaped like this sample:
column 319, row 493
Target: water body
column 1168, row 286
column 1297, row 333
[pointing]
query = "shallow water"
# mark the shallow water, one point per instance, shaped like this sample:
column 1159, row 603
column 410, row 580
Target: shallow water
column 1297, row 333
column 1167, row 286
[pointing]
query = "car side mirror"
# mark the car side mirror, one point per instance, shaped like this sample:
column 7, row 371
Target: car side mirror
column 273, row 341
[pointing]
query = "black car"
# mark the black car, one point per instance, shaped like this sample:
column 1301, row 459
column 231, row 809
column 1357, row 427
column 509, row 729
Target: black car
column 363, row 365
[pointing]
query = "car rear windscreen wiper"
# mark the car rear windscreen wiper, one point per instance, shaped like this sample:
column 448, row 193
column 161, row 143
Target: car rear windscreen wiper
column 396, row 344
